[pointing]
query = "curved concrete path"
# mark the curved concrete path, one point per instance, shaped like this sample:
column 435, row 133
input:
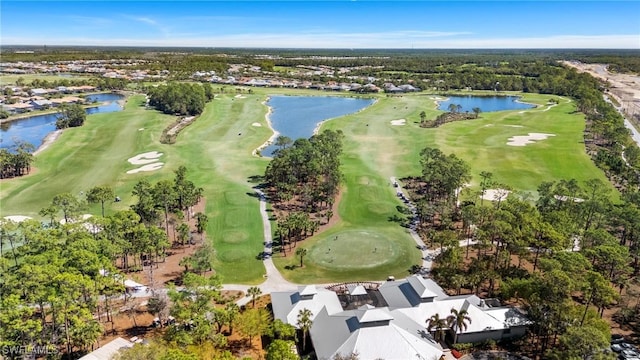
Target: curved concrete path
column 274, row 280
column 428, row 255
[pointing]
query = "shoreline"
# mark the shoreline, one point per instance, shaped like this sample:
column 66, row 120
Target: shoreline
column 54, row 110
column 47, row 141
column 275, row 134
column 319, row 124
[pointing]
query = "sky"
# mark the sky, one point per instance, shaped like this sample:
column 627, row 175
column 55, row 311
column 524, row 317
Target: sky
column 323, row 24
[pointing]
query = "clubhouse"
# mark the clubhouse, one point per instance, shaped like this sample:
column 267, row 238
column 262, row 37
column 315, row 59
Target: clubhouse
column 389, row 321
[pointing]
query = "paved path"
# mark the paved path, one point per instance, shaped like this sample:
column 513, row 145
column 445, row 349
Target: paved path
column 274, row 280
column 428, row 255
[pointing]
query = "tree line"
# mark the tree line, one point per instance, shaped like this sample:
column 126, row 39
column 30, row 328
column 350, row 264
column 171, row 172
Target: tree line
column 565, row 257
column 16, row 161
column 180, row 98
column 303, row 179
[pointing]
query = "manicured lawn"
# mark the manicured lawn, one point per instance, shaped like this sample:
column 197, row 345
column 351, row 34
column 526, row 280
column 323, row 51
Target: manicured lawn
column 218, row 159
column 28, row 78
column 217, row 148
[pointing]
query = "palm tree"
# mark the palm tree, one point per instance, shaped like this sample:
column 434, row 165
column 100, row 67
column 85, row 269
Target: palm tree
column 453, row 108
column 254, row 292
column 476, row 111
column 437, row 325
column 458, row 320
column 304, row 323
column 301, row 252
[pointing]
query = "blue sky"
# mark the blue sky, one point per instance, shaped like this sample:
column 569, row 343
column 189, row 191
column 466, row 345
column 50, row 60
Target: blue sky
column 324, row 24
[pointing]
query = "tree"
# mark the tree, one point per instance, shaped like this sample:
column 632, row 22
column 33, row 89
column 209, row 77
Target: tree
column 476, row 111
column 583, row 342
column 282, row 330
column 164, row 197
column 254, row 292
column 100, row 194
column 70, row 116
column 201, row 222
column 458, row 322
column 68, row 204
column 281, row 350
column 253, row 322
column 301, row 252
column 304, row 323
column 438, row 326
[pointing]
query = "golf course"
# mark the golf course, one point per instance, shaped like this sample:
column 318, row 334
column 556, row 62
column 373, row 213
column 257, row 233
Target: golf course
column 365, row 243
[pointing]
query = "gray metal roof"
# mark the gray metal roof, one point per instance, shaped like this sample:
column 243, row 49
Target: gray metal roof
column 107, row 351
column 396, row 338
column 410, row 292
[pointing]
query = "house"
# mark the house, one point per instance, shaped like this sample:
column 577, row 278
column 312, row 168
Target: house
column 107, row 351
column 396, row 327
column 372, row 333
column 41, row 104
column 289, row 303
column 17, row 108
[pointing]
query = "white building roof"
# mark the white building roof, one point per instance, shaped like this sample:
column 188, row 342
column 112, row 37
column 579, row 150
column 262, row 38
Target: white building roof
column 287, row 304
column 392, row 338
column 107, row 351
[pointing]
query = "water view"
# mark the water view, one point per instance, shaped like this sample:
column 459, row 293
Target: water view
column 35, row 128
column 297, row 116
column 485, row 103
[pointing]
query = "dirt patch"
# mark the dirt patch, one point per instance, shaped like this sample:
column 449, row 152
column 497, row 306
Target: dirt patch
column 169, row 270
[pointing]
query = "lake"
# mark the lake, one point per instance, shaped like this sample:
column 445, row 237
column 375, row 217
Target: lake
column 35, row 128
column 297, row 116
column 485, row 103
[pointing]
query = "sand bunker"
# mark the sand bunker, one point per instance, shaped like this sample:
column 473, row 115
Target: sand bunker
column 514, row 126
column 17, row 218
column 256, row 124
column 145, row 158
column 523, row 140
column 495, row 194
column 140, row 129
column 240, row 97
column 82, row 218
column 399, row 122
column 148, row 167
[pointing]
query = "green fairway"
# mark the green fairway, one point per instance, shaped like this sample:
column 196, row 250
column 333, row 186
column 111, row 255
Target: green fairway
column 217, row 148
column 218, row 159
column 10, row 79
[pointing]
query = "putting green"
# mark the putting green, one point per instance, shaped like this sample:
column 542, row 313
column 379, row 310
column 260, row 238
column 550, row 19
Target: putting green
column 354, row 249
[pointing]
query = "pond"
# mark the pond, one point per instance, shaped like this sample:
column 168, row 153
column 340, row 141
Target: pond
column 485, row 103
column 298, row 116
column 35, row 128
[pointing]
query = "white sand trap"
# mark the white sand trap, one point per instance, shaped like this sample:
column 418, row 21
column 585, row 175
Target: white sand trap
column 256, row 124
column 240, row 97
column 514, row 126
column 567, row 198
column 523, row 140
column 140, row 129
column 399, row 122
column 145, row 158
column 148, row 167
column 495, row 194
column 488, row 125
column 83, row 218
column 17, row 218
